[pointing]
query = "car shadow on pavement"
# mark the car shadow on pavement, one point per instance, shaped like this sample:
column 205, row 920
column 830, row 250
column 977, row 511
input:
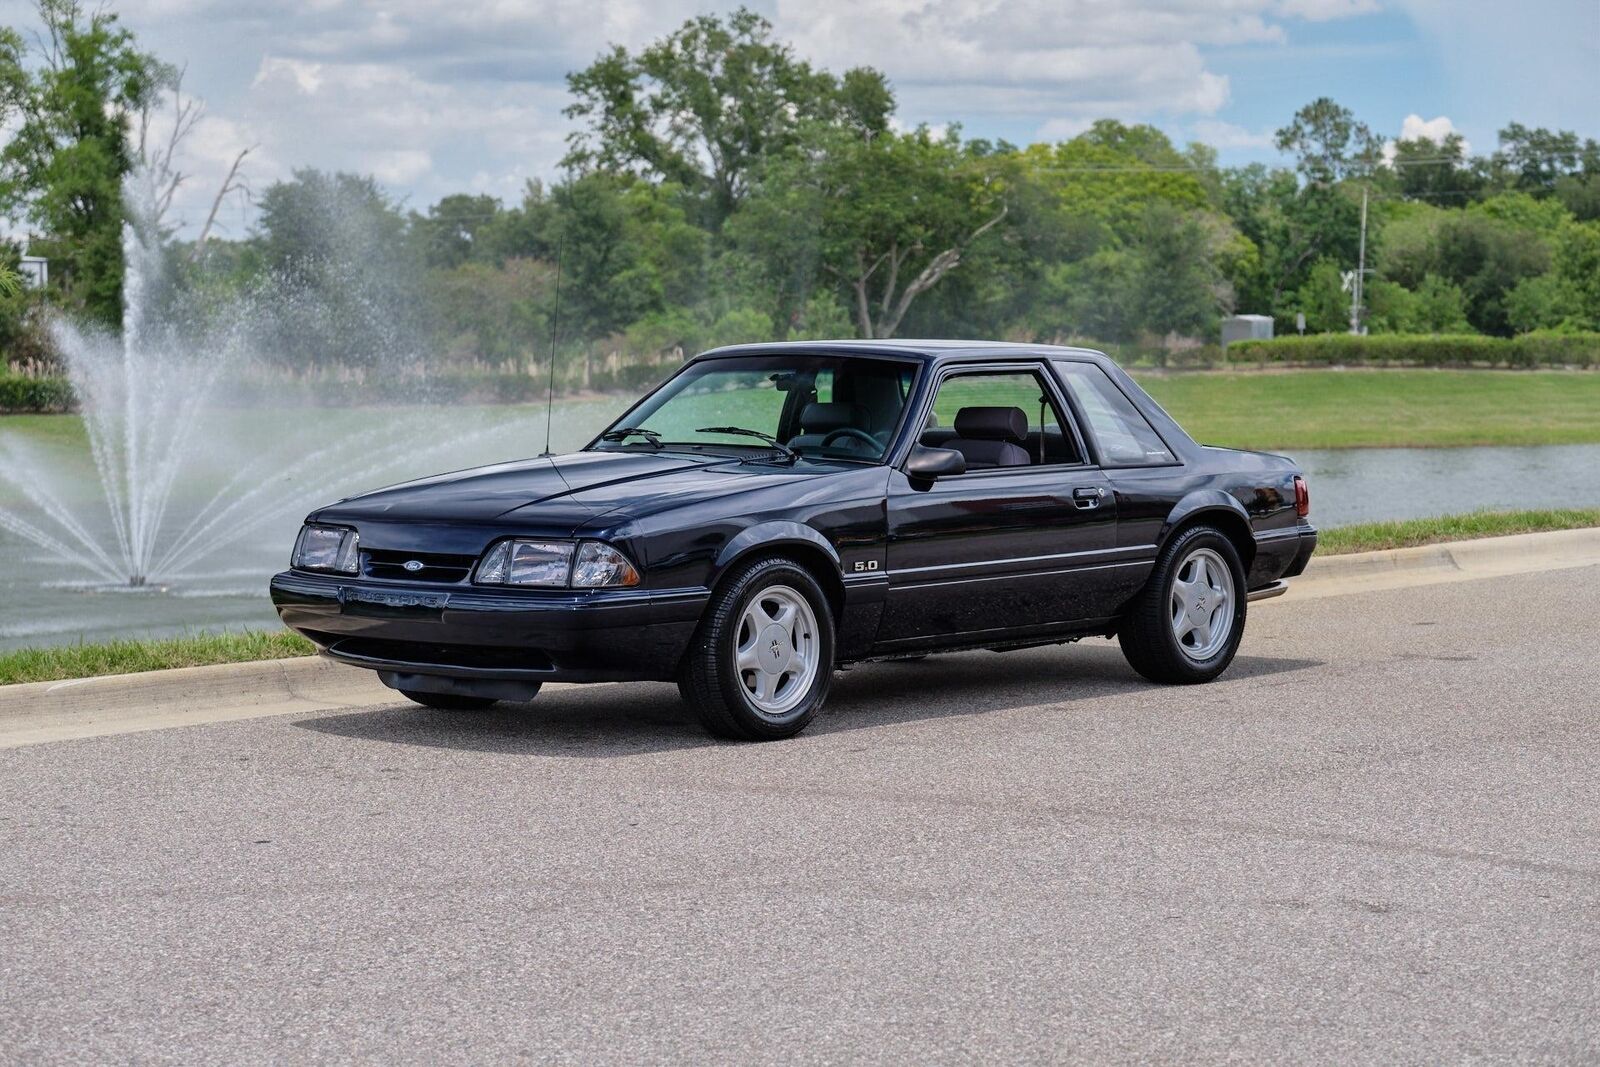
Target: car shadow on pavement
column 609, row 721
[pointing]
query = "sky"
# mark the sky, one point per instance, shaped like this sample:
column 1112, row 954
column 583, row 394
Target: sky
column 440, row 96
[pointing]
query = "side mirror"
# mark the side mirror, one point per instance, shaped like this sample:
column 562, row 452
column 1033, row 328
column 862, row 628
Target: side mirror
column 929, row 463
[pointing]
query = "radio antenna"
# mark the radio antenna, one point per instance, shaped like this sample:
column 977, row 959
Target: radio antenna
column 555, row 331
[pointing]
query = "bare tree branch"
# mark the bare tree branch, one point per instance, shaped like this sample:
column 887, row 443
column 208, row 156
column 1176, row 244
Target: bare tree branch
column 937, row 268
column 232, row 183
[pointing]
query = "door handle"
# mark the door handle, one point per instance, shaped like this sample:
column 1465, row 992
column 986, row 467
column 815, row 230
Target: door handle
column 1087, row 497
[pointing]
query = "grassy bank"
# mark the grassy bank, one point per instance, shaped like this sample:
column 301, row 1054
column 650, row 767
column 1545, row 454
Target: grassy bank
column 134, row 657
column 1383, row 408
column 1280, row 409
column 1372, row 536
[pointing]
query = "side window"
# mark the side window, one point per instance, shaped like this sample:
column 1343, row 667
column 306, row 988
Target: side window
column 1000, row 419
column 1124, row 437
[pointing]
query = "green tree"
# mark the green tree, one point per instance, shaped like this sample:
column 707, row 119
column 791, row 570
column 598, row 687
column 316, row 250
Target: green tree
column 1577, row 263
column 1441, row 307
column 1544, row 302
column 1486, row 257
column 1328, row 143
column 704, row 106
column 454, row 230
column 1429, row 170
column 1323, row 300
column 62, row 168
column 894, row 214
column 1536, row 159
column 1176, row 286
column 340, row 245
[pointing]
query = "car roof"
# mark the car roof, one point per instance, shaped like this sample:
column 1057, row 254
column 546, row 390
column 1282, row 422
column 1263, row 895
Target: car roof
column 926, row 350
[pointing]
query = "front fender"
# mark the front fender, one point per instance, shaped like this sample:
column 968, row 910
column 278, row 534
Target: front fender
column 770, row 535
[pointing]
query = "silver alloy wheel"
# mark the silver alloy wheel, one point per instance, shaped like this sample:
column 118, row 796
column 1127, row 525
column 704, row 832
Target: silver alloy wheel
column 776, row 652
column 1202, row 604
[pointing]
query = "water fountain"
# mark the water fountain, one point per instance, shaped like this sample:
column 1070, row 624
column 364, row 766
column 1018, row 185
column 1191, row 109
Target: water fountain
column 186, row 489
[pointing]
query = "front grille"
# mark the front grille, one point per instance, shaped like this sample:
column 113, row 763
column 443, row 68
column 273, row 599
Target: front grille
column 436, row 567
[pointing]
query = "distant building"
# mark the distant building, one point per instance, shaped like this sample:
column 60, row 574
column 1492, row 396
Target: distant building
column 35, row 271
column 1246, row 328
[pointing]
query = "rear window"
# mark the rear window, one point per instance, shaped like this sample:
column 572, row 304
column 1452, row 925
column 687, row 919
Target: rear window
column 1124, row 437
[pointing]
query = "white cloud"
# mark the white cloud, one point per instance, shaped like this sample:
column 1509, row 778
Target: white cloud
column 434, row 96
column 1053, row 61
column 1416, row 128
column 1324, row 10
column 1220, row 134
column 1062, row 129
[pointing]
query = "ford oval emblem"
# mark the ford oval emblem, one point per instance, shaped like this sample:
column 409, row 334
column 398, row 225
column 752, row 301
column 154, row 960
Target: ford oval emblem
column 413, row 565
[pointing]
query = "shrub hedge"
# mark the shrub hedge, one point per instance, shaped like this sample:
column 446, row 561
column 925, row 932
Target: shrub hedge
column 1423, row 350
column 23, row 394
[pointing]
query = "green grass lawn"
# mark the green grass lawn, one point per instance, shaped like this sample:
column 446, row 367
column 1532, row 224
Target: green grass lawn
column 1371, row 536
column 1243, row 409
column 134, row 657
column 1382, row 408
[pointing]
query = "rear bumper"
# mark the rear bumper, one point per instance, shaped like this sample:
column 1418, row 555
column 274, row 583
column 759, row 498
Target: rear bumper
column 1282, row 553
column 1305, row 544
column 491, row 635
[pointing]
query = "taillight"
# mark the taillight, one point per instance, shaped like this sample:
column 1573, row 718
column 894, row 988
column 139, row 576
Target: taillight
column 1302, row 497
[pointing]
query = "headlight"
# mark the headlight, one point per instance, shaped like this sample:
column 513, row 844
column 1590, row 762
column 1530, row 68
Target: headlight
column 527, row 563
column 326, row 548
column 563, row 564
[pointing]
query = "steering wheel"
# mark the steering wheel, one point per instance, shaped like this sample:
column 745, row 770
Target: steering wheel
column 852, row 432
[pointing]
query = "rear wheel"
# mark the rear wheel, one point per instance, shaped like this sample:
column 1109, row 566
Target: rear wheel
column 762, row 661
column 1186, row 624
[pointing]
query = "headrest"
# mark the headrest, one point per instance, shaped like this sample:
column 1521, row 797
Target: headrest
column 825, row 418
column 992, row 424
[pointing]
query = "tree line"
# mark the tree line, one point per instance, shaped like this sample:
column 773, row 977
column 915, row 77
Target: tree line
column 719, row 187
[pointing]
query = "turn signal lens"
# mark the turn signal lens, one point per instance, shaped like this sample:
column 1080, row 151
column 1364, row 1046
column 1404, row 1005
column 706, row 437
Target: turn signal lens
column 601, row 565
column 1302, row 497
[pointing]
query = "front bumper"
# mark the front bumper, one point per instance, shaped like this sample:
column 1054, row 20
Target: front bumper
column 481, row 635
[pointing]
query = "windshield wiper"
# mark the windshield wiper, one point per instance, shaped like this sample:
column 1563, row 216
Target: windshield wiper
column 740, row 431
column 622, row 433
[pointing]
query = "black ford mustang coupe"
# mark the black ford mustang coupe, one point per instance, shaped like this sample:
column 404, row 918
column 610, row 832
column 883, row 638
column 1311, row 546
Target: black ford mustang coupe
column 772, row 512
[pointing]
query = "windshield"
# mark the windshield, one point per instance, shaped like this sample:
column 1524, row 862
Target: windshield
column 817, row 406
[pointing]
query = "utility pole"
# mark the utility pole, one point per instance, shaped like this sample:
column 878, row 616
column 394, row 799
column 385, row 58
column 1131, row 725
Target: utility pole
column 1359, row 284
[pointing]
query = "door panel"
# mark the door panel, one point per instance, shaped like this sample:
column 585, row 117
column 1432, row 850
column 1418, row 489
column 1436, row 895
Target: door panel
column 1008, row 549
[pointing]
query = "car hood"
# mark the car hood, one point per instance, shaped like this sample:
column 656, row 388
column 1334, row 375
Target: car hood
column 555, row 490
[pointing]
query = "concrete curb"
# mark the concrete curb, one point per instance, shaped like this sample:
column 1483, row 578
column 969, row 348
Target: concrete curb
column 128, row 703
column 1453, row 561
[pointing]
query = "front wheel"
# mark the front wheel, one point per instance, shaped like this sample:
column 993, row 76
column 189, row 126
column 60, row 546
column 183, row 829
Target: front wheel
column 1185, row 625
column 762, row 660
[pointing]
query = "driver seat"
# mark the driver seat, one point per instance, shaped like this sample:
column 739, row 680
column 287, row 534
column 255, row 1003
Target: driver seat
column 818, row 420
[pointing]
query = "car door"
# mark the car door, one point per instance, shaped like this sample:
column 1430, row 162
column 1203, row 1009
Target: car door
column 1000, row 551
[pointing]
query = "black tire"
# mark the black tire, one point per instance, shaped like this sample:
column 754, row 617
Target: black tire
column 710, row 680
column 1146, row 632
column 449, row 701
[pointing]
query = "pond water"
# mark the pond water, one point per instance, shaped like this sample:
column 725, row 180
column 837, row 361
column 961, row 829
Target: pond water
column 43, row 602
column 1372, row 484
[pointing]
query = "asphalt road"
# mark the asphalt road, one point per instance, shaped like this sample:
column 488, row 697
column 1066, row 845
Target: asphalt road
column 1377, row 839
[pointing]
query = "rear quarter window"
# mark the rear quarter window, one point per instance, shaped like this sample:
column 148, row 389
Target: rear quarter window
column 1125, row 438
